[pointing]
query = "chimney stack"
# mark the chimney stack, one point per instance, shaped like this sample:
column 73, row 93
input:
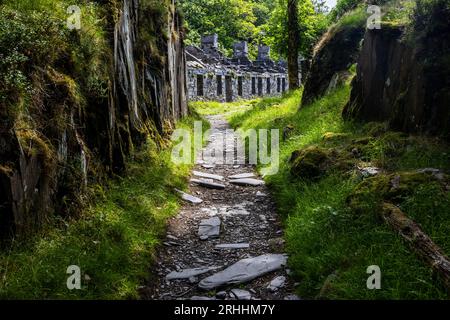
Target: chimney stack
column 240, row 50
column 210, row 43
column 263, row 53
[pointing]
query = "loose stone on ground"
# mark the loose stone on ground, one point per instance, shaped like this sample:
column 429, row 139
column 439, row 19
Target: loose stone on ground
column 230, row 235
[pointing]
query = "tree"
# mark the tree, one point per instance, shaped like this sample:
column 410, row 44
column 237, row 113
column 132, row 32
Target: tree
column 312, row 24
column 293, row 44
column 232, row 20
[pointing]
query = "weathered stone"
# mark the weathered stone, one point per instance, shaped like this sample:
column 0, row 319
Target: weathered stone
column 261, row 194
column 292, row 297
column 247, row 182
column 221, row 295
column 245, row 270
column 201, row 298
column 369, row 171
column 380, row 91
column 208, row 184
column 277, row 283
column 242, row 176
column 208, row 175
column 188, row 273
column 213, row 76
column 238, row 210
column 189, row 198
column 337, row 50
column 193, row 280
column 240, row 294
column 209, row 228
column 171, row 237
column 233, row 246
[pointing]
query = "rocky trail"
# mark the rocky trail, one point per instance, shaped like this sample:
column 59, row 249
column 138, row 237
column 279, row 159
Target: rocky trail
column 226, row 243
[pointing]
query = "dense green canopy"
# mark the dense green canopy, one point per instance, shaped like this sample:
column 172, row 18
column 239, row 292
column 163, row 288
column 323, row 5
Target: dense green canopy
column 256, row 21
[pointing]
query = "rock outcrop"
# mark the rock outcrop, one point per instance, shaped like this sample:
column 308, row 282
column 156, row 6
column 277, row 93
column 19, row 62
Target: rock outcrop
column 69, row 136
column 404, row 78
column 335, row 53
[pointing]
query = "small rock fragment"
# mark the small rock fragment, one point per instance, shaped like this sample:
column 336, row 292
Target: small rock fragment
column 209, row 228
column 240, row 294
column 277, row 283
column 189, row 198
column 247, row 182
column 208, row 184
column 242, row 176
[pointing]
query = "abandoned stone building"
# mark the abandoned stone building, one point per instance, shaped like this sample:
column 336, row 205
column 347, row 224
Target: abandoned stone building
column 213, row 76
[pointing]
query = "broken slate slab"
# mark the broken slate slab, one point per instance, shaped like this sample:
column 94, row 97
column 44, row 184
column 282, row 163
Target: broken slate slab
column 207, row 175
column 208, row 184
column 189, row 198
column 200, row 298
column 209, row 228
column 245, row 270
column 247, row 182
column 233, row 246
column 240, row 294
column 292, row 297
column 277, row 283
column 369, row 171
column 242, row 176
column 188, row 273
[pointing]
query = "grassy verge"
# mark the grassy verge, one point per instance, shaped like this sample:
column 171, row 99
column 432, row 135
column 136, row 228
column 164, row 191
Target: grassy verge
column 215, row 108
column 113, row 242
column 329, row 244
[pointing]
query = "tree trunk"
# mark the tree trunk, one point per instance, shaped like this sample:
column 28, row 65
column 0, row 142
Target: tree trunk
column 293, row 44
column 419, row 241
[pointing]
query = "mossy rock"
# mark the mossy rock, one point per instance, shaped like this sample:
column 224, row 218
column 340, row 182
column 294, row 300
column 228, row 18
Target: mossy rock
column 395, row 187
column 314, row 162
column 334, row 136
column 309, row 163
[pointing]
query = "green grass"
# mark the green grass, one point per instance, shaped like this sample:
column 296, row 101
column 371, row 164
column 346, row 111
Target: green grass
column 324, row 235
column 113, row 242
column 215, row 108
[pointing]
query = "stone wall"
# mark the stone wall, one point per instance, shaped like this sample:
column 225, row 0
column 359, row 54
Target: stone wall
column 212, row 76
column 253, row 84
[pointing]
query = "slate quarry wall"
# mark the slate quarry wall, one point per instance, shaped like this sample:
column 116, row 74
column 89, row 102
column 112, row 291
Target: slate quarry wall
column 406, row 83
column 68, row 135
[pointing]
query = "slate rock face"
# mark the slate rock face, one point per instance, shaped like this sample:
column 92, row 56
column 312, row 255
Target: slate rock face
column 404, row 84
column 337, row 51
column 72, row 140
column 245, row 270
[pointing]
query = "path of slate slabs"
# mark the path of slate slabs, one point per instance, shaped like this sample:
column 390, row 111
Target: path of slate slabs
column 227, row 241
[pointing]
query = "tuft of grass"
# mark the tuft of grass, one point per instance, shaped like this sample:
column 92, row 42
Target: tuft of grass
column 329, row 246
column 113, row 242
column 215, row 108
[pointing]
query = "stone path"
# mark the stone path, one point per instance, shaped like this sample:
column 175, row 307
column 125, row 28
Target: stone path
column 227, row 246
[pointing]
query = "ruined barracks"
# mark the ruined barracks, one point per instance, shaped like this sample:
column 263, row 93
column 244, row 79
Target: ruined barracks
column 212, row 76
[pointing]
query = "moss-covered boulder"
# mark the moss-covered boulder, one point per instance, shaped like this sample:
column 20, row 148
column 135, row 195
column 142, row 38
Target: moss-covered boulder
column 394, row 188
column 314, row 162
column 309, row 163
